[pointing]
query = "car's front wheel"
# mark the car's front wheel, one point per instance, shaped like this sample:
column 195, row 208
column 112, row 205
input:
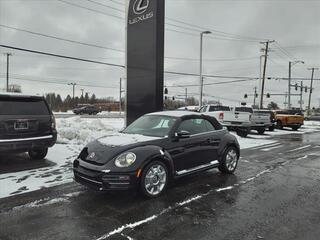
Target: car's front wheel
column 154, row 179
column 229, row 161
column 38, row 154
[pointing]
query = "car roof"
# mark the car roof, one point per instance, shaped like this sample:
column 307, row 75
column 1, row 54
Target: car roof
column 175, row 113
column 19, row 95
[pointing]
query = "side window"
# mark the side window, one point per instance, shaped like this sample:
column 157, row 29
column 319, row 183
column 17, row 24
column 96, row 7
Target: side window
column 203, row 109
column 209, row 126
column 196, row 126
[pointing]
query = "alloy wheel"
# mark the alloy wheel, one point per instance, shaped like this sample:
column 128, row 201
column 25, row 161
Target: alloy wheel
column 155, row 179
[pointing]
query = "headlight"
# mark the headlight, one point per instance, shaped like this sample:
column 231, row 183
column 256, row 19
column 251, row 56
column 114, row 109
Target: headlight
column 125, row 159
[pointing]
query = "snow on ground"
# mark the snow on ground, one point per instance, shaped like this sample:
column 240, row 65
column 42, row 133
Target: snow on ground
column 35, row 179
column 76, row 132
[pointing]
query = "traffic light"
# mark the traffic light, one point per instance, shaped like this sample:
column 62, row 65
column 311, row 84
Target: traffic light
column 246, row 96
column 306, row 89
column 166, row 91
column 257, row 95
column 296, row 86
column 173, row 98
column 268, row 95
column 165, row 98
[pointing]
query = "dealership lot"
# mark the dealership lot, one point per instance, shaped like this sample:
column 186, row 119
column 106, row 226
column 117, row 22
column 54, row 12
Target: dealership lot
column 275, row 186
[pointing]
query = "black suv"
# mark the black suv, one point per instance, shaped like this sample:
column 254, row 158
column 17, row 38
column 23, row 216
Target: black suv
column 26, row 125
column 90, row 109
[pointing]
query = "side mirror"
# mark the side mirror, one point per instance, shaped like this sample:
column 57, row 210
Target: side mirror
column 183, row 134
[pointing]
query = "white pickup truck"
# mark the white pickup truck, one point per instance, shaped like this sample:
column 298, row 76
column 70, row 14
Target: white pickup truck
column 260, row 119
column 231, row 118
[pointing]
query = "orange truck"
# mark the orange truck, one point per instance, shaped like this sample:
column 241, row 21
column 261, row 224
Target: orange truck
column 289, row 118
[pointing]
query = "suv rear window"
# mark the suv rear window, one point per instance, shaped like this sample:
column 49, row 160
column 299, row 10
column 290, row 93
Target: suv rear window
column 23, row 106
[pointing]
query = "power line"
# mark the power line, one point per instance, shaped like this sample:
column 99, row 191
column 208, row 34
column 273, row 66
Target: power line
column 213, row 30
column 61, row 56
column 60, row 38
column 228, row 36
column 91, row 9
column 107, row 6
column 29, row 79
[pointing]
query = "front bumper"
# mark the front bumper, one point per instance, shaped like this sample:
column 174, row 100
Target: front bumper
column 101, row 181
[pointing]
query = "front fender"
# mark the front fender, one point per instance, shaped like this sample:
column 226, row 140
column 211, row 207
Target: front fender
column 146, row 154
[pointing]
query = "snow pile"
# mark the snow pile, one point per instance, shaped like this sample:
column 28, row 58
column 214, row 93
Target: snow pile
column 312, row 124
column 80, row 131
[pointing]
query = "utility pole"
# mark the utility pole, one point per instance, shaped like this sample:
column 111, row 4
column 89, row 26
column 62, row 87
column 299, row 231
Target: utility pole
column 301, row 95
column 289, row 86
column 264, row 70
column 201, row 77
column 73, row 88
column 255, row 96
column 8, row 55
column 120, row 93
column 311, row 88
column 289, row 81
column 186, row 97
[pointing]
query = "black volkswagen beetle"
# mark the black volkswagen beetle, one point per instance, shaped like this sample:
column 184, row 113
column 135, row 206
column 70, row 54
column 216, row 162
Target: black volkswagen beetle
column 155, row 149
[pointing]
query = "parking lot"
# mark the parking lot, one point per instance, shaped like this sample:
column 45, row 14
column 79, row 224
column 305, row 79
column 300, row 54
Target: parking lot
column 274, row 194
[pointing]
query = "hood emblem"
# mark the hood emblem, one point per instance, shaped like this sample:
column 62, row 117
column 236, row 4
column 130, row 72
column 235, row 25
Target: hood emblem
column 91, row 156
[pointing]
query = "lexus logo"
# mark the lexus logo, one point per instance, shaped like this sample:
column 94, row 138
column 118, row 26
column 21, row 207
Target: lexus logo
column 140, row 6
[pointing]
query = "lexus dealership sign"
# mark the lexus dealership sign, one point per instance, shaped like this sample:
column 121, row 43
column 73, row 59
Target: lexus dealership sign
column 145, row 57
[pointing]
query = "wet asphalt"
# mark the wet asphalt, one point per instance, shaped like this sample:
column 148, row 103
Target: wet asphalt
column 274, row 194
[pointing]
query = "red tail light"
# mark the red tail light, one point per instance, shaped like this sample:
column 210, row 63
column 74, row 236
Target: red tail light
column 221, row 116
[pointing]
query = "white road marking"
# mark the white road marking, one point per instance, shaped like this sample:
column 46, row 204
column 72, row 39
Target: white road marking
column 47, row 201
column 267, row 145
column 269, row 149
column 119, row 230
column 300, row 148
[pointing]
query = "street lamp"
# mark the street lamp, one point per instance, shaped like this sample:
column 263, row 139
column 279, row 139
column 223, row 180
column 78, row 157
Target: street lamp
column 201, row 77
column 289, row 82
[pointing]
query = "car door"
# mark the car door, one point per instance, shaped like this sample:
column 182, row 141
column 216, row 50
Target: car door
column 197, row 150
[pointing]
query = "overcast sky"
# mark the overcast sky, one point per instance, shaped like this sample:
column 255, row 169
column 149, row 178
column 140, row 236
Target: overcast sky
column 295, row 25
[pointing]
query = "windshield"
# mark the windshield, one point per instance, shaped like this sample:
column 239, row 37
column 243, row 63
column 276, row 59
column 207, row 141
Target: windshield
column 151, row 125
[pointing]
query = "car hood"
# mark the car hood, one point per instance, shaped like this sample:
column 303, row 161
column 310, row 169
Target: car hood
column 107, row 148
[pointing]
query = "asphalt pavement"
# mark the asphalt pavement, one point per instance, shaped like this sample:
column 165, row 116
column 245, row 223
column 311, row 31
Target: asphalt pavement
column 274, row 194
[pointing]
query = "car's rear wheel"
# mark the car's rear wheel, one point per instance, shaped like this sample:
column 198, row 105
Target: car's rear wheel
column 243, row 132
column 279, row 125
column 261, row 131
column 295, row 128
column 229, row 161
column 271, row 128
column 154, row 179
column 38, row 154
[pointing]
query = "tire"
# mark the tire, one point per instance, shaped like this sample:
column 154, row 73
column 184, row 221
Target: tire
column 154, row 179
column 279, row 124
column 243, row 132
column 261, row 131
column 38, row 154
column 271, row 129
column 295, row 128
column 229, row 161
